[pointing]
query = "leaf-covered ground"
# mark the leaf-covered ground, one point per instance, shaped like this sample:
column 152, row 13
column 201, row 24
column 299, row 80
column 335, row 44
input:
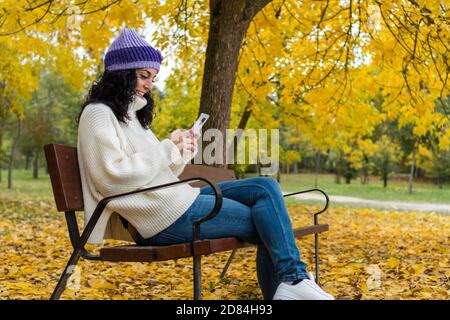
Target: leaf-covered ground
column 365, row 255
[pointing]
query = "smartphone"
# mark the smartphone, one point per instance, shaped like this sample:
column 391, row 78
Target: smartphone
column 198, row 124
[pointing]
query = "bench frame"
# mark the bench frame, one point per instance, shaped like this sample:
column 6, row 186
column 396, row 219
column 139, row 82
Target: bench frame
column 64, row 173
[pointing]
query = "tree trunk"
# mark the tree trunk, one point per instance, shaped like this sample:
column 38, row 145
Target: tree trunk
column 337, row 178
column 13, row 152
column 411, row 174
column 1, row 153
column 339, row 168
column 36, row 165
column 385, row 180
column 316, row 177
column 366, row 177
column 229, row 20
column 234, row 144
column 27, row 161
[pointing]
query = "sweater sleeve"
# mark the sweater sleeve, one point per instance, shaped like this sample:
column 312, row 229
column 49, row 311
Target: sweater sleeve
column 111, row 169
column 176, row 162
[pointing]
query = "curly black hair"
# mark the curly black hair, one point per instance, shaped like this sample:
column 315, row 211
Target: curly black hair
column 116, row 89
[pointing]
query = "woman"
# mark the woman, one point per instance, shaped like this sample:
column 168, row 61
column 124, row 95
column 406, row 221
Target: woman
column 118, row 153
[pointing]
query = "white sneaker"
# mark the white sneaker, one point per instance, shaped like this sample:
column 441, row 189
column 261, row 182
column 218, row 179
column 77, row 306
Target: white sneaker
column 307, row 289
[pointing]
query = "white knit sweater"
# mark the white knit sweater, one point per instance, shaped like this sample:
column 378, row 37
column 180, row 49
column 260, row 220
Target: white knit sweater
column 114, row 158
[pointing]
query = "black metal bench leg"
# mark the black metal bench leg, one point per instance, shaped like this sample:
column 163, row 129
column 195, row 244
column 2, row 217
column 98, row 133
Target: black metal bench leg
column 61, row 286
column 227, row 265
column 316, row 256
column 197, row 278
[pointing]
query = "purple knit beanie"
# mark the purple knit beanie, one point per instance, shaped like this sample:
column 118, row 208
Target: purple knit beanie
column 130, row 51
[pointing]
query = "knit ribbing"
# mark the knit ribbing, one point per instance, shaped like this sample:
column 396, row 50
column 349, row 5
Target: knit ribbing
column 114, row 158
column 130, row 51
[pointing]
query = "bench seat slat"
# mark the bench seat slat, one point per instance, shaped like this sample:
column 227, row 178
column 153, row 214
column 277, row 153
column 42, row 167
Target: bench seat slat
column 137, row 253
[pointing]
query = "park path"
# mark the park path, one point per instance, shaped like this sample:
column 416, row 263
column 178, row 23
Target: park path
column 382, row 204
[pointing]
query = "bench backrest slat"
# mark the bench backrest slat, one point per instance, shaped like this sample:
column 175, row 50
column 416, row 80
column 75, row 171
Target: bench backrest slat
column 64, row 174
column 213, row 174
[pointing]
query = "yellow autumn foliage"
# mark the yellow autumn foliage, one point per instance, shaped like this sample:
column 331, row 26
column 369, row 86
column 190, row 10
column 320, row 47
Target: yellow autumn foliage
column 319, row 62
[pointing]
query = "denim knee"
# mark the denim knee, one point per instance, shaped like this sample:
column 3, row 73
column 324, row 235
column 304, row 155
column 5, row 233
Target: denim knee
column 268, row 183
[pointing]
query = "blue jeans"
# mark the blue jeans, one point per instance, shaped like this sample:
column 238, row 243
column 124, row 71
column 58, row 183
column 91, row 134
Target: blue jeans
column 253, row 210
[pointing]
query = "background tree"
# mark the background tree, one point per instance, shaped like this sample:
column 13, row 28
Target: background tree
column 50, row 117
column 386, row 158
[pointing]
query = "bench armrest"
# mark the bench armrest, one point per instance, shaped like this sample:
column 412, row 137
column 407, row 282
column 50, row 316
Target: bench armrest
column 104, row 202
column 327, row 199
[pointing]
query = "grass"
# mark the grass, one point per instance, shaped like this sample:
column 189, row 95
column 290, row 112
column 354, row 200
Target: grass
column 24, row 187
column 397, row 189
column 27, row 188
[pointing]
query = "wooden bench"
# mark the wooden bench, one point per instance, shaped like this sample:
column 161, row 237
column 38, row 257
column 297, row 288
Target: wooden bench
column 64, row 173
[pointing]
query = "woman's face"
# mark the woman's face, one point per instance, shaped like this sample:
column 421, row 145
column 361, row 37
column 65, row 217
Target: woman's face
column 145, row 79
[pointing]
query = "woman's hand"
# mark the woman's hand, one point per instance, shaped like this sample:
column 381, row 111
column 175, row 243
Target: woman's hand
column 196, row 133
column 186, row 142
column 176, row 136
